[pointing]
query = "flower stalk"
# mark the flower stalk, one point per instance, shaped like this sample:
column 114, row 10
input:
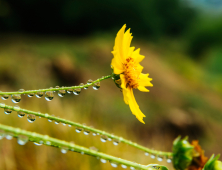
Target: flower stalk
column 91, row 129
column 35, row 137
column 57, row 89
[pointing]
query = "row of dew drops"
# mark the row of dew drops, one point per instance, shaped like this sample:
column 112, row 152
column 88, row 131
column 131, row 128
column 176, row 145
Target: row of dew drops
column 22, row 140
column 31, row 118
column 49, row 95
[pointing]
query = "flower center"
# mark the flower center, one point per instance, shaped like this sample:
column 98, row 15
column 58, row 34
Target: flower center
column 131, row 73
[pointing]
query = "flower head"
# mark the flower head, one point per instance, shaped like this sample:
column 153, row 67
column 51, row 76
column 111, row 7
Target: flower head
column 127, row 70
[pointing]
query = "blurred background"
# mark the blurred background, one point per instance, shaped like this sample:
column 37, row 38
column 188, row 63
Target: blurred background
column 48, row 43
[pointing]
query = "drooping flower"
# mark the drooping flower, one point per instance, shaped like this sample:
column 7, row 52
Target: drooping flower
column 127, row 70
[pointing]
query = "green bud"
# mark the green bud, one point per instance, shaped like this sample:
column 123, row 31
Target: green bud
column 182, row 153
column 213, row 163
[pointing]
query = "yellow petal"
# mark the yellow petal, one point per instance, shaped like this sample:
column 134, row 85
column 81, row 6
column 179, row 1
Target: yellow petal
column 117, row 66
column 144, row 80
column 123, row 81
column 143, row 89
column 126, row 43
column 123, row 86
column 118, row 47
column 131, row 51
column 136, row 56
column 134, row 106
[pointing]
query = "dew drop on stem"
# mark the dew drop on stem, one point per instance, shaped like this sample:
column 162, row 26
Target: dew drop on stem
column 96, row 86
column 89, row 81
column 49, row 95
column 103, row 160
column 113, row 164
column 146, row 153
column 31, row 118
column 64, row 150
column 16, row 108
column 2, row 134
column 159, row 158
column 115, row 142
column 132, row 168
column 5, row 97
column 7, row 111
column 9, row 136
column 16, row 98
column 78, row 130
column 169, row 160
column 61, row 93
column 70, row 91
column 77, row 91
column 31, row 94
column 123, row 166
column 86, row 132
column 21, row 114
column 39, row 94
column 152, row 156
column 103, row 138
column 22, row 140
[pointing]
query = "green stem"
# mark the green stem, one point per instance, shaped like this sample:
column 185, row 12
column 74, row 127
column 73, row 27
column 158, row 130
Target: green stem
column 87, row 128
column 56, row 89
column 35, row 137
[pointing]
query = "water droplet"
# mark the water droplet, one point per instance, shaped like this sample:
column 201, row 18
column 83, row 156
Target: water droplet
column 38, row 143
column 5, row 97
column 78, row 130
column 39, row 94
column 103, row 160
column 64, row 124
column 21, row 114
column 81, row 84
column 115, row 141
column 70, row 91
column 159, row 158
column 132, row 168
column 123, row 166
column 169, row 160
column 22, row 140
column 109, row 139
column 89, row 81
column 50, row 120
column 16, row 108
column 146, row 153
column 9, row 136
column 77, row 91
column 96, row 86
column 2, row 134
column 103, row 138
column 64, row 150
column 113, row 164
column 7, row 111
column 31, row 118
column 70, row 125
column 2, row 104
column 48, row 143
column 21, row 90
column 94, row 134
column 152, row 156
column 31, row 94
column 61, row 93
column 82, row 153
column 86, row 132
column 16, row 98
column 49, row 95
column 56, row 123
column 93, row 148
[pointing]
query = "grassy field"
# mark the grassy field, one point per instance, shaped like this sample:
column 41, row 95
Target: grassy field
column 185, row 100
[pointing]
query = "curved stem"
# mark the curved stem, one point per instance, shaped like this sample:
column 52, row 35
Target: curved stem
column 57, row 89
column 87, row 128
column 35, row 137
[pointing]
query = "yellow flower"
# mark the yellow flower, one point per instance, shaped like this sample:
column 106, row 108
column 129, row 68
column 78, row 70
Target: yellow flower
column 125, row 63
